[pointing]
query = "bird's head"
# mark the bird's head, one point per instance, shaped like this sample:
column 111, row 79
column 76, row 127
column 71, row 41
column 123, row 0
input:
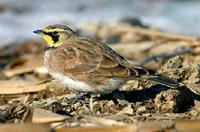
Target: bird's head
column 54, row 35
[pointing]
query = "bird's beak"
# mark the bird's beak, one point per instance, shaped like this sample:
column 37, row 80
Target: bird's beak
column 38, row 31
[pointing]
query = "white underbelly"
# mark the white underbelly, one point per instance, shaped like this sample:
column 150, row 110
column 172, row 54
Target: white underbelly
column 73, row 85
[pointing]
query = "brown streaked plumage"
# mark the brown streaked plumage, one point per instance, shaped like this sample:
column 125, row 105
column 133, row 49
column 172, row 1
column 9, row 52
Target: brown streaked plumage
column 85, row 65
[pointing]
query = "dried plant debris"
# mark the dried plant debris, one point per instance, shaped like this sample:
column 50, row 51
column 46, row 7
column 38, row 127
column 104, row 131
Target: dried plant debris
column 29, row 95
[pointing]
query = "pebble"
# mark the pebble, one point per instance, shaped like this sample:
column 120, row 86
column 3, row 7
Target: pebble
column 141, row 109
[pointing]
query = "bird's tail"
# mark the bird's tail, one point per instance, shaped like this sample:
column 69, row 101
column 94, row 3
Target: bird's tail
column 164, row 81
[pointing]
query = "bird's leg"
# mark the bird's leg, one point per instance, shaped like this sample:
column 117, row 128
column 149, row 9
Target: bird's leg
column 79, row 97
column 91, row 106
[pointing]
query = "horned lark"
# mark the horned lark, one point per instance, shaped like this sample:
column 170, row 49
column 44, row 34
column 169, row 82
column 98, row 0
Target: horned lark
column 86, row 65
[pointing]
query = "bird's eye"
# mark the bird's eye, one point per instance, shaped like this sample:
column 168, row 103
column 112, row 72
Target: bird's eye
column 55, row 33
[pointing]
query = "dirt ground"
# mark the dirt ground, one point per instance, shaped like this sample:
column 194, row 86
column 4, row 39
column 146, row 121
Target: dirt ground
column 29, row 95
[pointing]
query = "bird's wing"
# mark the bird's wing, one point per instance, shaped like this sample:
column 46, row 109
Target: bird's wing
column 86, row 56
column 109, row 63
column 90, row 57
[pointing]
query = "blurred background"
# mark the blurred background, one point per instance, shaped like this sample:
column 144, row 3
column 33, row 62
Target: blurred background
column 143, row 31
column 18, row 18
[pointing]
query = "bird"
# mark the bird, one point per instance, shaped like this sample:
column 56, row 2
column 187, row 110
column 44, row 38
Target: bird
column 89, row 66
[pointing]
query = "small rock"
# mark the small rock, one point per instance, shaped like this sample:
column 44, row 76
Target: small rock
column 194, row 112
column 84, row 110
column 146, row 114
column 127, row 110
column 141, row 109
column 175, row 62
column 77, row 105
column 110, row 103
column 174, row 100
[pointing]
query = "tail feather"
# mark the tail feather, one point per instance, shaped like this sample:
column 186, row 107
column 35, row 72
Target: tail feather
column 164, row 81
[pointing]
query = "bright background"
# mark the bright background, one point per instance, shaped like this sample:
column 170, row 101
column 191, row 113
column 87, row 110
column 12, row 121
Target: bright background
column 18, row 18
